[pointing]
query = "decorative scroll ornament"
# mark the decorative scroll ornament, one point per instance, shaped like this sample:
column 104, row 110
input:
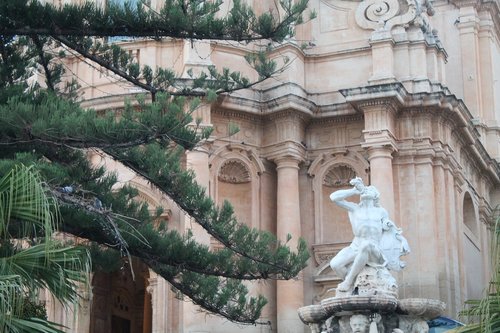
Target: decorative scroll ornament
column 235, row 172
column 385, row 14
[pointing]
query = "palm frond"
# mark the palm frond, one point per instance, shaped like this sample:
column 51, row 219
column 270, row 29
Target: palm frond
column 484, row 314
column 52, row 266
column 34, row 259
column 24, row 197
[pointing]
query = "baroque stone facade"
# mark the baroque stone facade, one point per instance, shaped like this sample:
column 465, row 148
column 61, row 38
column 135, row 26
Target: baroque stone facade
column 402, row 93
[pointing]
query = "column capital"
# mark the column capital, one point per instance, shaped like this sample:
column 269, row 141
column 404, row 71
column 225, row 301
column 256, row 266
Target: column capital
column 287, row 162
column 378, row 139
column 286, row 153
column 380, row 151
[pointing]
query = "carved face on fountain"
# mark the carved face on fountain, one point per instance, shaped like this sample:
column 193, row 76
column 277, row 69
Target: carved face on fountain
column 359, row 324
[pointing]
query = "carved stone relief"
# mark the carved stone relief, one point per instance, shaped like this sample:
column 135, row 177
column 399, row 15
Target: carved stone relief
column 325, row 252
column 339, row 176
column 234, row 172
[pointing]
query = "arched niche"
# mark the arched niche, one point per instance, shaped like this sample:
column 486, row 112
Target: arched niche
column 470, row 219
column 332, row 172
column 234, row 176
column 472, row 250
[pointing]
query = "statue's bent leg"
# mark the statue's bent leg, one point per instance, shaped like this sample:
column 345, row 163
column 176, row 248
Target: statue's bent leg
column 362, row 258
column 343, row 259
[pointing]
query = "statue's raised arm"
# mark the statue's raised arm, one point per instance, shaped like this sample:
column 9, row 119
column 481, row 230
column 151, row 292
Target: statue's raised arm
column 338, row 196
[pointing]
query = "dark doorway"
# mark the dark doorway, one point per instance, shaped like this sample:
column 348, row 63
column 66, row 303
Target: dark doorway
column 120, row 325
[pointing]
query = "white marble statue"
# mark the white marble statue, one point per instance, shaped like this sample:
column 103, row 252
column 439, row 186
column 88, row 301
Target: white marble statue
column 377, row 241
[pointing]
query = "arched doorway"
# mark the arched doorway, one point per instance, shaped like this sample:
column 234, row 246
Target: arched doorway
column 120, row 302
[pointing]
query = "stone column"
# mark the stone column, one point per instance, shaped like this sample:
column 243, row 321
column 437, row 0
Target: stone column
column 443, row 231
column 455, row 287
column 381, row 176
column 158, row 288
column 290, row 294
column 193, row 320
column 427, row 232
column 380, row 143
column 197, row 160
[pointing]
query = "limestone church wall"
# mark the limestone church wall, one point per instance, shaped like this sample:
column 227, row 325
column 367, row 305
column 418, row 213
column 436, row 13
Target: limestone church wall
column 408, row 103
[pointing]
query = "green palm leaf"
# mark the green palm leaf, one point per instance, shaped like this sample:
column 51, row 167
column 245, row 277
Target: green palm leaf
column 37, row 259
column 23, row 197
column 484, row 314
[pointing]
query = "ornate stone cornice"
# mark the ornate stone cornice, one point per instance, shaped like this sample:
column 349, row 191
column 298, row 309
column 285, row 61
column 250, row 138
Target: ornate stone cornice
column 440, row 105
column 287, row 114
column 236, row 114
column 392, row 95
column 348, row 118
column 419, row 155
column 289, row 96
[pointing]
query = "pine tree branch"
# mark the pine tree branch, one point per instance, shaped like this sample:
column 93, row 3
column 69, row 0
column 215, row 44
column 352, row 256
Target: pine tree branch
column 108, row 233
column 201, row 217
column 43, row 61
column 4, row 59
column 104, row 64
column 183, row 23
column 81, row 143
column 263, row 75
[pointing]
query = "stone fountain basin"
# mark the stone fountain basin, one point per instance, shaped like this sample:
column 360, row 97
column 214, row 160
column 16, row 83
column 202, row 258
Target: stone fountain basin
column 340, row 305
column 312, row 314
column 421, row 307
